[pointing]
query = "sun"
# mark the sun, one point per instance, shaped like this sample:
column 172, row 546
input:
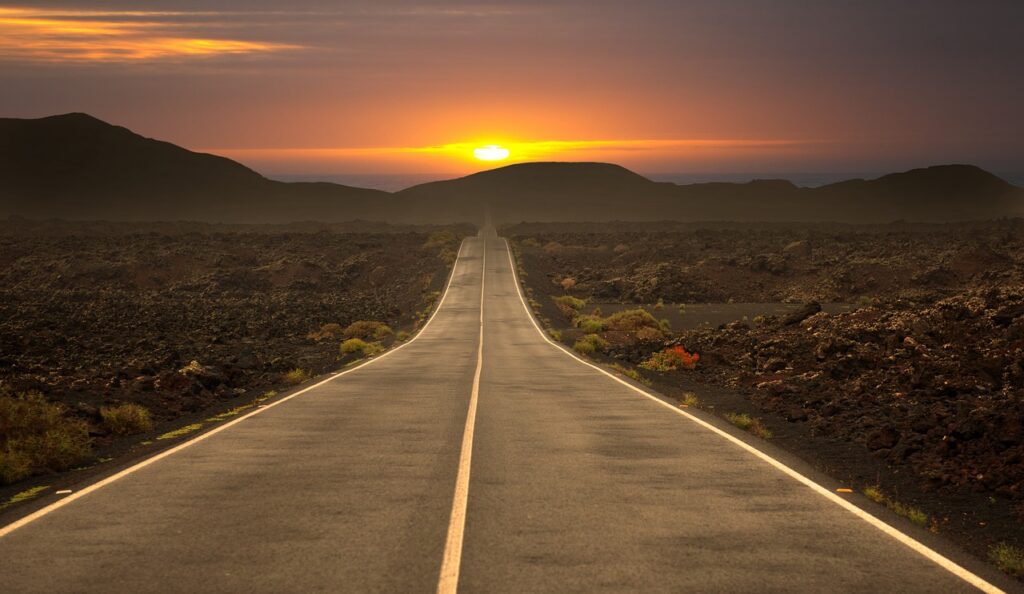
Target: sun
column 491, row 152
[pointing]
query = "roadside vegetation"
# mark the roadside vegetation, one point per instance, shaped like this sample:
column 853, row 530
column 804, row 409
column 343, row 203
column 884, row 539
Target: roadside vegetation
column 915, row 515
column 126, row 419
column 36, row 436
column 751, row 425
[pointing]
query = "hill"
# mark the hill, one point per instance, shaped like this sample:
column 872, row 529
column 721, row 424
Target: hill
column 598, row 191
column 75, row 166
column 78, row 167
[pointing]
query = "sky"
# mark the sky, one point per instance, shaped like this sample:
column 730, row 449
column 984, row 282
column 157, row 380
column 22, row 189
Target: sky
column 311, row 87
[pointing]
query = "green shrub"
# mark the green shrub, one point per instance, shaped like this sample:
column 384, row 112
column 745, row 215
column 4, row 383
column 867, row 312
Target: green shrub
column 570, row 301
column 126, row 419
column 660, row 305
column 330, row 331
column 36, row 436
column 367, row 329
column 402, row 336
column 360, row 348
column 749, row 424
column 590, row 324
column 296, row 376
column 590, row 344
column 1008, row 558
column 555, row 333
column 631, row 320
column 631, row 374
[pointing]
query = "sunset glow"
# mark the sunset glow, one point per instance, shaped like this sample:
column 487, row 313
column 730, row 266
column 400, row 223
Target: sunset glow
column 47, row 35
column 491, row 152
column 319, row 87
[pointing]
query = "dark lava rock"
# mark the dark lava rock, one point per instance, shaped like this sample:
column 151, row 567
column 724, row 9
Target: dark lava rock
column 802, row 314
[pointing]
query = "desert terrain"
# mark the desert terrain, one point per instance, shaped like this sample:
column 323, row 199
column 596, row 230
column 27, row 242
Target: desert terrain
column 119, row 338
column 890, row 356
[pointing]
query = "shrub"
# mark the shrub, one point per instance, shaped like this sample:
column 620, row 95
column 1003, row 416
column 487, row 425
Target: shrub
column 1008, row 558
column 555, row 333
column 590, row 324
column 330, row 331
column 590, row 344
column 402, row 336
column 531, row 242
column 749, row 424
column 36, row 436
column 630, row 320
column 571, row 302
column 660, row 305
column 568, row 283
column 126, row 419
column 631, row 374
column 296, row 376
column 913, row 514
column 367, row 329
column 665, row 325
column 361, row 348
column 671, row 359
column 649, row 335
column 689, row 399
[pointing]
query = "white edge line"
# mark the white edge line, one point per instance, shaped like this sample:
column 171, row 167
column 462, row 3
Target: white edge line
column 910, row 542
column 4, row 531
column 448, row 581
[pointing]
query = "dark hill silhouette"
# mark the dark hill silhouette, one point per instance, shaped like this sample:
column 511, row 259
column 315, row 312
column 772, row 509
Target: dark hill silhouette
column 77, row 167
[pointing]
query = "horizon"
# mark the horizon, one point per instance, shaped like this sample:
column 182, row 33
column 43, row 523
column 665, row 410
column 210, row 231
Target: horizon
column 387, row 89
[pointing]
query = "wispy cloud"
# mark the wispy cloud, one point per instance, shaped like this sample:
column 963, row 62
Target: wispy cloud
column 54, row 35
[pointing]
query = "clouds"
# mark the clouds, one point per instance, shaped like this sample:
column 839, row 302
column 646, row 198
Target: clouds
column 40, row 35
column 876, row 84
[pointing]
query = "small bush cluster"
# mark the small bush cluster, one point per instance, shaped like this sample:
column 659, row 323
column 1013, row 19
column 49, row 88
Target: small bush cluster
column 631, row 374
column 367, row 329
column 689, row 399
column 36, row 436
column 630, row 320
column 751, row 425
column 126, row 419
column 589, row 344
column 330, row 331
column 874, row 493
column 296, row 376
column 361, row 348
column 1008, row 558
column 591, row 324
column 671, row 359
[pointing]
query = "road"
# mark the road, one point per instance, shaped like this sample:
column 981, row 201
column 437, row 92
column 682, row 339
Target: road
column 477, row 457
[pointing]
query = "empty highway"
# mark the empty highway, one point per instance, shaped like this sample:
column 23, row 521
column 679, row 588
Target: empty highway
column 479, row 458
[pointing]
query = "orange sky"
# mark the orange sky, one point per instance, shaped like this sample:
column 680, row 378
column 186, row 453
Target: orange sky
column 659, row 86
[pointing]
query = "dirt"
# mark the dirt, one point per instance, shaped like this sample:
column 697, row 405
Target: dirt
column 187, row 318
column 917, row 386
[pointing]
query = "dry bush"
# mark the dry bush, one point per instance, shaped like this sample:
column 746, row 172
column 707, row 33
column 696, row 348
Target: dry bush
column 296, row 376
column 630, row 320
column 590, row 344
column 367, row 329
column 126, row 419
column 36, row 436
column 329, row 331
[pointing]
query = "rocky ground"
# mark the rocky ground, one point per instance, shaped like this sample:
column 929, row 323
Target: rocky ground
column 917, row 393
column 181, row 319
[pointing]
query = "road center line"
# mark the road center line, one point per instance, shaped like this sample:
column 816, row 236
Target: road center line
column 448, row 583
column 905, row 539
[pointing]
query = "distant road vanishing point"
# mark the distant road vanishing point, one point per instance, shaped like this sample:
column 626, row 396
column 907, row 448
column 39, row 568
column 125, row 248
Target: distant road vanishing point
column 477, row 457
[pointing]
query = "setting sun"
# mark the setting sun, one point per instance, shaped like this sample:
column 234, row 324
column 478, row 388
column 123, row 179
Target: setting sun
column 491, row 152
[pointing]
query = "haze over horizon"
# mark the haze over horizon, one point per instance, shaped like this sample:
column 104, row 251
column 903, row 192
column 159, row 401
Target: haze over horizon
column 414, row 87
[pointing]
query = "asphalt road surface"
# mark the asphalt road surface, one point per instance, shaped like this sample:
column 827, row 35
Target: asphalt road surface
column 443, row 465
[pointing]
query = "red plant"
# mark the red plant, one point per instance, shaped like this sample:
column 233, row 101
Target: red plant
column 686, row 360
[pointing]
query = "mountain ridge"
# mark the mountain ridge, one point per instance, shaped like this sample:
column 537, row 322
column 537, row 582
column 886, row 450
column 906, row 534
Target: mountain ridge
column 76, row 166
